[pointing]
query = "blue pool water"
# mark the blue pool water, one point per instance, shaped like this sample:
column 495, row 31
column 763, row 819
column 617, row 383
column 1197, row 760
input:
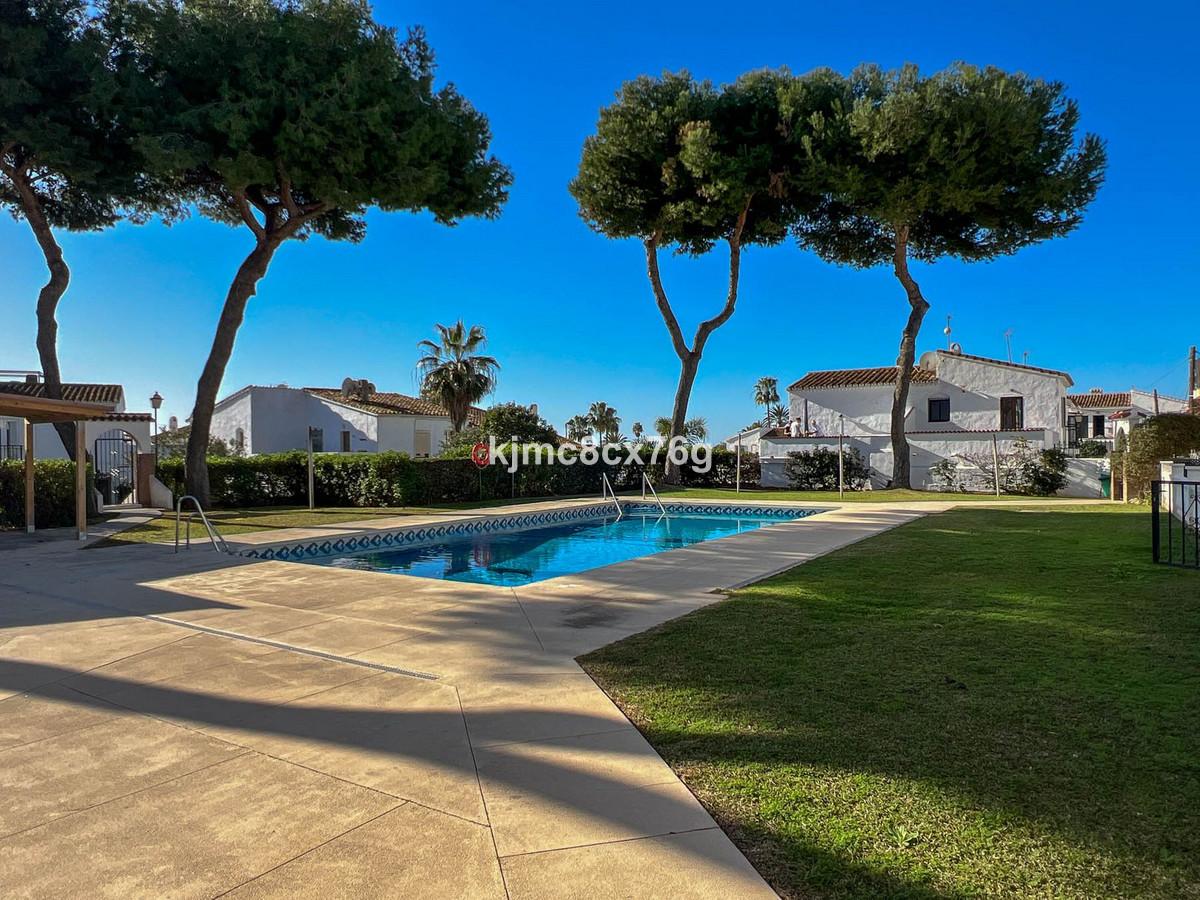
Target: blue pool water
column 521, row 557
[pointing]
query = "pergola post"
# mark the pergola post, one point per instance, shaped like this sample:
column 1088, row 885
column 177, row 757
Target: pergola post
column 29, row 472
column 81, row 480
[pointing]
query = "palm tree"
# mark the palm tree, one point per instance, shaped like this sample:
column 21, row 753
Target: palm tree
column 638, row 431
column 778, row 415
column 766, row 393
column 604, row 419
column 578, row 427
column 453, row 373
column 694, row 429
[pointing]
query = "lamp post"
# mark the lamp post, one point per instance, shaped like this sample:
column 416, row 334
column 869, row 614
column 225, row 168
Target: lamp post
column 155, row 403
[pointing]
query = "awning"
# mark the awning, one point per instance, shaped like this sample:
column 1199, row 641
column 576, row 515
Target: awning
column 42, row 410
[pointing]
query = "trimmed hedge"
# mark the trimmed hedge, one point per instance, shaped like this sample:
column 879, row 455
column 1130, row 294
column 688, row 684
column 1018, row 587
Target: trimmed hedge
column 394, row 479
column 53, row 493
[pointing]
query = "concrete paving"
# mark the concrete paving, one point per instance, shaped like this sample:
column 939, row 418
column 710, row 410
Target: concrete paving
column 195, row 724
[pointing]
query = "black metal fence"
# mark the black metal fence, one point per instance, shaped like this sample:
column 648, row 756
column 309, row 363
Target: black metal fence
column 1175, row 514
column 12, row 451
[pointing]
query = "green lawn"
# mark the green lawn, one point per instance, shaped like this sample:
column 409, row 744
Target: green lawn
column 887, row 496
column 986, row 702
column 231, row 522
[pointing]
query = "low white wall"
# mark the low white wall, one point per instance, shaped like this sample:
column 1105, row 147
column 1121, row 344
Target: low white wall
column 1083, row 477
column 1180, row 499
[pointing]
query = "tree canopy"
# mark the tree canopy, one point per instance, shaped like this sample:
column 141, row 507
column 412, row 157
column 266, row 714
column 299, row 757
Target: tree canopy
column 972, row 163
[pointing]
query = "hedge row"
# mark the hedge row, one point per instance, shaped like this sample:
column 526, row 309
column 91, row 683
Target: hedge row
column 394, row 479
column 53, row 493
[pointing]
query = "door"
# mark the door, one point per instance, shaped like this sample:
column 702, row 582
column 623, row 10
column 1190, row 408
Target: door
column 422, row 443
column 1012, row 413
column 114, row 456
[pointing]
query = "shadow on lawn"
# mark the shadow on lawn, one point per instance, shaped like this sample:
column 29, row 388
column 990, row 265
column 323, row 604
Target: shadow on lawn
column 1034, row 669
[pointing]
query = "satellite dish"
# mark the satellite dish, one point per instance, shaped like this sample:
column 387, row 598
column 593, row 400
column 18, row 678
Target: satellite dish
column 956, row 348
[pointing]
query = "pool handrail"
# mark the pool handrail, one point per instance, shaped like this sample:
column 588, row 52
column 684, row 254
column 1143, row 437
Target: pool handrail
column 647, row 483
column 606, row 489
column 218, row 542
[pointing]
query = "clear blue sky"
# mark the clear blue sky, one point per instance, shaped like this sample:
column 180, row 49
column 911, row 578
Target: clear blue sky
column 570, row 314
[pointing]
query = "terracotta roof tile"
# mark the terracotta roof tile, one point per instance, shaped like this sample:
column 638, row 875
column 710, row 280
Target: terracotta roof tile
column 1100, row 399
column 76, row 392
column 879, row 375
column 389, row 403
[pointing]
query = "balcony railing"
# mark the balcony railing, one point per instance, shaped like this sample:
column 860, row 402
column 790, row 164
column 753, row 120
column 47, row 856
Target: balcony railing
column 12, row 451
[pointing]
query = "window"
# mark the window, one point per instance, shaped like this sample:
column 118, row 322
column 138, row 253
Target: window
column 345, row 442
column 1076, row 430
column 316, row 439
column 1098, row 426
column 1012, row 413
column 239, row 440
column 422, row 443
column 939, row 409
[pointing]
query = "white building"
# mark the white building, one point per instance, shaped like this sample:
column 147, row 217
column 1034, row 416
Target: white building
column 119, row 442
column 1101, row 415
column 956, row 404
column 260, row 419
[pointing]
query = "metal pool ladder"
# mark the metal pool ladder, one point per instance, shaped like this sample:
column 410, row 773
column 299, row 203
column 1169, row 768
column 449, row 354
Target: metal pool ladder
column 218, row 542
column 606, row 491
column 646, row 483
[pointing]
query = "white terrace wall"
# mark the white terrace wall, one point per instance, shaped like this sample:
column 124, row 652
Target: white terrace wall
column 927, row 450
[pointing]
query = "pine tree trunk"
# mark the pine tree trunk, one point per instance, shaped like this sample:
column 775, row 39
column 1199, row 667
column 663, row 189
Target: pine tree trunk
column 48, row 299
column 244, row 285
column 901, row 461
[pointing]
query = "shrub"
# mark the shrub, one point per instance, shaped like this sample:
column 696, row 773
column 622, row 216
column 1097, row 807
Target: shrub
column 53, row 493
column 1023, row 469
column 817, row 469
column 1089, row 449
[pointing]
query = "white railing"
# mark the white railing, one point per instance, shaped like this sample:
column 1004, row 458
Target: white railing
column 606, row 491
column 646, row 483
column 218, row 542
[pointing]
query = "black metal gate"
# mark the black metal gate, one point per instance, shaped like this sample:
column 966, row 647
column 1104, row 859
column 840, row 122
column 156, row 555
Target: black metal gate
column 115, row 458
column 1175, row 514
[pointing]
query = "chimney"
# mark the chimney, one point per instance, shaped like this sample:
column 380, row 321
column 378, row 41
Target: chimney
column 31, row 378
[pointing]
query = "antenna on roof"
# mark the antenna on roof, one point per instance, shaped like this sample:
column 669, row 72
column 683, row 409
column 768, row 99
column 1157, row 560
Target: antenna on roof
column 946, row 331
column 1025, row 358
column 1008, row 343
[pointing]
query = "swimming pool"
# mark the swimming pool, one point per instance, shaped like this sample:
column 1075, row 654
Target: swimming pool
column 513, row 558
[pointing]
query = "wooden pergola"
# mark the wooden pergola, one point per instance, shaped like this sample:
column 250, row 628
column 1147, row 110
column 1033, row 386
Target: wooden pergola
column 40, row 410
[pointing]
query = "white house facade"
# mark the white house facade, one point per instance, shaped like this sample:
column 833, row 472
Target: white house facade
column 260, row 419
column 956, row 405
column 1102, row 415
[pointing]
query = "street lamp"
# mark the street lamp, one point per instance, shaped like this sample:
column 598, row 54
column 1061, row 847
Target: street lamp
column 155, row 403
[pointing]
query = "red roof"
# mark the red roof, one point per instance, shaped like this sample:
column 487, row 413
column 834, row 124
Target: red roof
column 389, row 403
column 1100, row 399
column 879, row 375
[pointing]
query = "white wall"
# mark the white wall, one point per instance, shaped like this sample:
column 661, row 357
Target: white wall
column 1083, row 477
column 926, row 451
column 277, row 419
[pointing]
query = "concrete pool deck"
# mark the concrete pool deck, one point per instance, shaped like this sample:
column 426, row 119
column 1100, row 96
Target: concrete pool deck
column 198, row 724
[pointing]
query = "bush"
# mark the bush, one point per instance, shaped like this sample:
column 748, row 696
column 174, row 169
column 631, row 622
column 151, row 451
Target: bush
column 1023, row 469
column 1089, row 449
column 393, row 479
column 1044, row 473
column 817, row 470
column 1168, row 436
column 53, row 493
